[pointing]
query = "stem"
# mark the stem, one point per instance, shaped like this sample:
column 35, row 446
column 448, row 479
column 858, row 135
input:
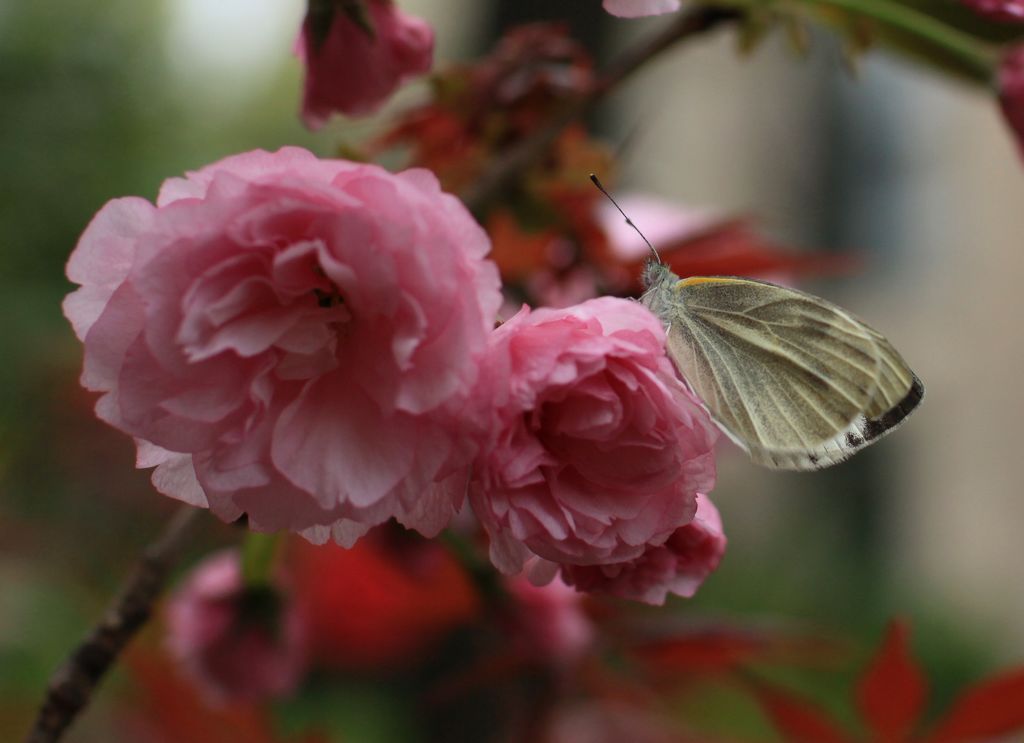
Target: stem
column 479, row 569
column 72, row 685
column 258, row 554
column 528, row 151
column 923, row 26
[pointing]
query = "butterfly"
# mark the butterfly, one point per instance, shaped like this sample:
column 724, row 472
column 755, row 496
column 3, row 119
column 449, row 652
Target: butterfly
column 795, row 380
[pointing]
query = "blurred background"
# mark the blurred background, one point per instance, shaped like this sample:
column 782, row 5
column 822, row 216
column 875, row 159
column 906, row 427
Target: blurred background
column 911, row 173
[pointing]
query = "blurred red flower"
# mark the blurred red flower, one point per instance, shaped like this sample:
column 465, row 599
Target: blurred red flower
column 383, row 603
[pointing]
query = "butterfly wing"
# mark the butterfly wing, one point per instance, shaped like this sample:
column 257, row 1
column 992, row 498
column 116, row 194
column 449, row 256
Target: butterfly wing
column 797, row 381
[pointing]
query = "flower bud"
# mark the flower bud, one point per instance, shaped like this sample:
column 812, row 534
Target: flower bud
column 236, row 642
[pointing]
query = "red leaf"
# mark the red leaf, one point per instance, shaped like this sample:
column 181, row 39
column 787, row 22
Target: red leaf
column 796, row 719
column 166, row 708
column 993, row 707
column 709, row 652
column 722, row 648
column 892, row 690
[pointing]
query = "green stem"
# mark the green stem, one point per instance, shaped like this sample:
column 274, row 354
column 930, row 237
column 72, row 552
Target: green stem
column 898, row 16
column 479, row 569
column 258, row 553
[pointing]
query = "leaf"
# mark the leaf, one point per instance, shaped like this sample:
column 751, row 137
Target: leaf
column 797, row 720
column 892, row 690
column 958, row 15
column 913, row 29
column 166, row 707
column 993, row 707
column 258, row 554
column 721, row 648
column 347, row 710
column 754, row 29
column 798, row 35
column 710, row 652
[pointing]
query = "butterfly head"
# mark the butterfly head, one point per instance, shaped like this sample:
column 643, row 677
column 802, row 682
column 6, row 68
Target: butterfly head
column 655, row 273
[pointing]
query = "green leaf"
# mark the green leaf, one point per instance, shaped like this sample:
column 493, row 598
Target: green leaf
column 353, row 711
column 754, row 28
column 797, row 35
column 909, row 29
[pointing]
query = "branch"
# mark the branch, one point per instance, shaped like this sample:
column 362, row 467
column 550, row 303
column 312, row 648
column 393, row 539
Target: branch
column 72, row 685
column 978, row 61
column 528, row 151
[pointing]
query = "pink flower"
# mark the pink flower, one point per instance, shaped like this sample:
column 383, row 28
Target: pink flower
column 1011, row 92
column 639, row 8
column 291, row 338
column 548, row 622
column 235, row 643
column 678, row 566
column 1010, row 11
column 352, row 66
column 597, row 449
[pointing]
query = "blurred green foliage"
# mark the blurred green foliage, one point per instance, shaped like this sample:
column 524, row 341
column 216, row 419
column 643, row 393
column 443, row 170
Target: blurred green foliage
column 88, row 112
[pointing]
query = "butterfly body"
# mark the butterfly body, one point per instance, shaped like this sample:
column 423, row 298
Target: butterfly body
column 795, row 380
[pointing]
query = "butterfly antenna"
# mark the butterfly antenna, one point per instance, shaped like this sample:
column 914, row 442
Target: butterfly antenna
column 597, row 182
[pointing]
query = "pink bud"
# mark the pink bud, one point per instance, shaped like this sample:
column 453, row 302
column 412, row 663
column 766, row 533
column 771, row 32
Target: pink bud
column 354, row 71
column 548, row 621
column 1011, row 91
column 236, row 643
column 1008, row 11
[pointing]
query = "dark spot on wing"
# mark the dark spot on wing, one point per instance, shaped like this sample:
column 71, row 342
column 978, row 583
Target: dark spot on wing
column 875, row 427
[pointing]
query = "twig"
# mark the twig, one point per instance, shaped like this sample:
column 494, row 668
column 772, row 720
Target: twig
column 72, row 685
column 520, row 157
